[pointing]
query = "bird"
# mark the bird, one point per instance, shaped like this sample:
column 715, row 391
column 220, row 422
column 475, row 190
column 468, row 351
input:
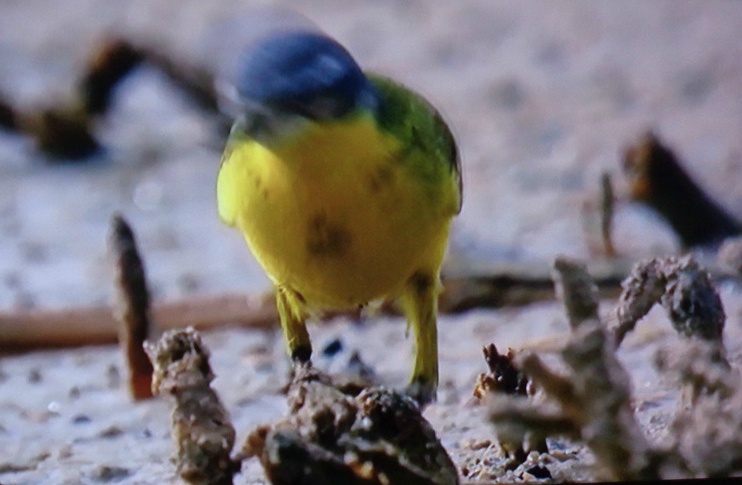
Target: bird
column 344, row 184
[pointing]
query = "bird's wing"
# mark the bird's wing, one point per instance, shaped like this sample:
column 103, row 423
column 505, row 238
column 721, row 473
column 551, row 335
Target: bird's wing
column 417, row 123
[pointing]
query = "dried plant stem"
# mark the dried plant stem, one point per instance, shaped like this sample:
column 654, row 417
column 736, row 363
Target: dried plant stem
column 133, row 306
column 607, row 210
column 63, row 132
column 657, row 178
column 29, row 329
column 471, row 284
column 67, row 130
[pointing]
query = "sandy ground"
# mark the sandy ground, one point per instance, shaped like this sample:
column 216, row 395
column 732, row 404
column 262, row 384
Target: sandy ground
column 542, row 96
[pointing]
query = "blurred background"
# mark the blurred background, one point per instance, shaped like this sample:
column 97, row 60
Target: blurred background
column 543, row 97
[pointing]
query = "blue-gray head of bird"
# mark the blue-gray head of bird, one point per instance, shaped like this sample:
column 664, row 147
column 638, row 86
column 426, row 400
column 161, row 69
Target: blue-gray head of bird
column 300, row 74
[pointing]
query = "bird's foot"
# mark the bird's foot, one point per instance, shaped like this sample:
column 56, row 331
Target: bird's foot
column 422, row 391
column 301, row 354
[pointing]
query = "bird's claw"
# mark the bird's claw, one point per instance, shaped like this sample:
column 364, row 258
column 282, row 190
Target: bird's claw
column 422, row 391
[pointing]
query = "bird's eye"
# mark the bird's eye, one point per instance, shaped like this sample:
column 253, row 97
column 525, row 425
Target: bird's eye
column 326, row 108
column 256, row 122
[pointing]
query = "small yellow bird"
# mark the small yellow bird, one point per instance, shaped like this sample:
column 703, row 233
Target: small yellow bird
column 344, row 184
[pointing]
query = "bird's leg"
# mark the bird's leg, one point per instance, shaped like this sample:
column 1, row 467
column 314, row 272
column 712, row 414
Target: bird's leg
column 420, row 301
column 292, row 316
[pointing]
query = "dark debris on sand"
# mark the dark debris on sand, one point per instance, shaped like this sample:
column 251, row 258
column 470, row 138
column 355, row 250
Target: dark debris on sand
column 378, row 436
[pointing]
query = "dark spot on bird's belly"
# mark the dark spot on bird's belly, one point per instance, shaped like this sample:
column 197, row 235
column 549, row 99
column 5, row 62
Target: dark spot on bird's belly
column 380, row 178
column 258, row 187
column 325, row 238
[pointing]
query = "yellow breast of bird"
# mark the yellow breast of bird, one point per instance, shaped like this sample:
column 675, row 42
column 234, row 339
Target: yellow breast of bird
column 340, row 214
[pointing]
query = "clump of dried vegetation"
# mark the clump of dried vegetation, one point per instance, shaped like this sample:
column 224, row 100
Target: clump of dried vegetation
column 201, row 428
column 373, row 438
column 591, row 402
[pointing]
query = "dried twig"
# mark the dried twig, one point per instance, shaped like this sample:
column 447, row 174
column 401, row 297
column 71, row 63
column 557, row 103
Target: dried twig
column 597, row 213
column 467, row 285
column 478, row 284
column 63, row 132
column 67, row 131
column 116, row 58
column 597, row 220
column 607, row 210
column 195, row 82
column 29, row 329
column 201, row 429
column 132, row 308
column 657, row 179
column 109, row 64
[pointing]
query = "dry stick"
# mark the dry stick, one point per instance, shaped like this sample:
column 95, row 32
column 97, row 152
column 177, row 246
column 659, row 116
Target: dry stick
column 132, row 307
column 480, row 284
column 657, row 179
column 67, row 130
column 195, row 82
column 29, row 329
column 63, row 132
column 109, row 64
column 473, row 284
column 607, row 210
column 597, row 220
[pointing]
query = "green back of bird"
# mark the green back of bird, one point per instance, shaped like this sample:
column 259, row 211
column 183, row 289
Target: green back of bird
column 418, row 125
